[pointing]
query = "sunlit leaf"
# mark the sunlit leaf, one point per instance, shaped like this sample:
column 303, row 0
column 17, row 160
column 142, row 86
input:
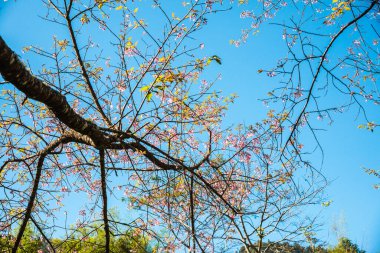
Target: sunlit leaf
column 149, row 96
column 145, row 88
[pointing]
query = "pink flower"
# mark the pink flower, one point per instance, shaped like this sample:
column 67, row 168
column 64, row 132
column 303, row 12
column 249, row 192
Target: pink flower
column 130, row 52
column 298, row 94
column 107, row 63
column 246, row 14
column 121, row 86
column 357, row 42
column 64, row 189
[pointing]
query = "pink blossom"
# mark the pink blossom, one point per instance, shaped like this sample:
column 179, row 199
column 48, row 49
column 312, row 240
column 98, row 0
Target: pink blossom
column 246, row 14
column 356, row 42
column 298, row 94
column 64, row 189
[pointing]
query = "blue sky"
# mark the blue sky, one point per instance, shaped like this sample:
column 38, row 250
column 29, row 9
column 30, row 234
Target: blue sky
column 356, row 205
column 346, row 148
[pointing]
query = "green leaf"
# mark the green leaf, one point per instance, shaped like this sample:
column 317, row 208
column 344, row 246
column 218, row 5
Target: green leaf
column 327, row 203
column 216, row 58
column 145, row 88
column 149, row 96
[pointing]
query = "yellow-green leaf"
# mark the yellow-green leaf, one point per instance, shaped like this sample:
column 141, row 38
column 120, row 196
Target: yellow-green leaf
column 149, row 96
column 342, row 3
column 145, row 88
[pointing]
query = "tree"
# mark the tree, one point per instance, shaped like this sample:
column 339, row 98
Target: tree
column 84, row 241
column 290, row 248
column 332, row 53
column 345, row 245
column 136, row 112
column 30, row 241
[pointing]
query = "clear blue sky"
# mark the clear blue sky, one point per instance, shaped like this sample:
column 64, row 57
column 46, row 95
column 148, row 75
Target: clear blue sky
column 347, row 149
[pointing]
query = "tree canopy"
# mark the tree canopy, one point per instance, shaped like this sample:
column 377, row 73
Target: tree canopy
column 120, row 115
column 86, row 240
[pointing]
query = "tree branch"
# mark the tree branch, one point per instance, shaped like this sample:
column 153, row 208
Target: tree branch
column 15, row 72
column 33, row 195
column 104, row 197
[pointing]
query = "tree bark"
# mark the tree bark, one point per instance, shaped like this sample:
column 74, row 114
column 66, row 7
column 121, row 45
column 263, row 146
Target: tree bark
column 15, row 72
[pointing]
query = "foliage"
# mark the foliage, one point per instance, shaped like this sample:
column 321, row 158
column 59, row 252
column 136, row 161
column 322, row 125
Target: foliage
column 82, row 241
column 345, row 246
column 285, row 247
column 120, row 113
column 30, row 243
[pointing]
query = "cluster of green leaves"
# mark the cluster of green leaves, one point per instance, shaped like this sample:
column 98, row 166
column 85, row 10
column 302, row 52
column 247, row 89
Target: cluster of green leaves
column 344, row 245
column 83, row 241
column 31, row 242
column 286, row 247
